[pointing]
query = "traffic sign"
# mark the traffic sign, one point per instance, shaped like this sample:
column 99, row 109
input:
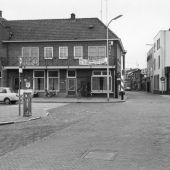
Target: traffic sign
column 162, row 78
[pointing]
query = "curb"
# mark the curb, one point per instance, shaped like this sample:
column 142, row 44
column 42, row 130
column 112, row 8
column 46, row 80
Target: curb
column 118, row 101
column 20, row 121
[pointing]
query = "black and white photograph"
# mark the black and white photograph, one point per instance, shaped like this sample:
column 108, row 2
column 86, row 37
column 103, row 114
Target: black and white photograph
column 84, row 85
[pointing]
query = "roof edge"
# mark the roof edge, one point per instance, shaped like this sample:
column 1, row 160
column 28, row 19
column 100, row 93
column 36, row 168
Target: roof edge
column 32, row 41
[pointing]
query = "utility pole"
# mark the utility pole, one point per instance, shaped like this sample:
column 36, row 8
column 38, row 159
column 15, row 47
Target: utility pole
column 20, row 71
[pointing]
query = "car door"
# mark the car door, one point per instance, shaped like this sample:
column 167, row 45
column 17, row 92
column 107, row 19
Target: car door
column 1, row 95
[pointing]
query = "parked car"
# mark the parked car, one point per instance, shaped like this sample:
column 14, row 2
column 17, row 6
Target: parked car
column 128, row 89
column 8, row 96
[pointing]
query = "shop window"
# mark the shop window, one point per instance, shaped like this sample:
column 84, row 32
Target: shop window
column 53, row 80
column 99, row 81
column 39, row 80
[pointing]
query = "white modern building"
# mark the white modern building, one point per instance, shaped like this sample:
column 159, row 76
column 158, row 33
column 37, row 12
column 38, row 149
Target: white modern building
column 161, row 62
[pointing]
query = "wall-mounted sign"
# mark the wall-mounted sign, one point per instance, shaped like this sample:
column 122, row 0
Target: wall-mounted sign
column 162, row 78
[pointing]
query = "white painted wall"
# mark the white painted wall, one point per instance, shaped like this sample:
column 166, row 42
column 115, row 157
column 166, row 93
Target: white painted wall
column 167, row 48
column 164, row 53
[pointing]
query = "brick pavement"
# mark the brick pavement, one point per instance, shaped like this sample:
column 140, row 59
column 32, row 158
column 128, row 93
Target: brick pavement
column 10, row 113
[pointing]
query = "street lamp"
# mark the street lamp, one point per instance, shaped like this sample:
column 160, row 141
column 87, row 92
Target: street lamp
column 108, row 55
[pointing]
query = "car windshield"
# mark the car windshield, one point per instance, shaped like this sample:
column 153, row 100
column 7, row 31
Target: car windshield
column 10, row 90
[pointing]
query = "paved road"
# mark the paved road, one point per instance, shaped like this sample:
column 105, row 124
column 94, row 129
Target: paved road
column 134, row 135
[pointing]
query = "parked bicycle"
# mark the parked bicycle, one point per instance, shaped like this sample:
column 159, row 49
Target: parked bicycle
column 50, row 93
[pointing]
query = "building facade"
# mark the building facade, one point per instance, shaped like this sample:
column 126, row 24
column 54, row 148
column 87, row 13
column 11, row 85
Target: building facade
column 150, row 69
column 65, row 55
column 159, row 63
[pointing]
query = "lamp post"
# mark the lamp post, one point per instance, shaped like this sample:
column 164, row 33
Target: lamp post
column 108, row 55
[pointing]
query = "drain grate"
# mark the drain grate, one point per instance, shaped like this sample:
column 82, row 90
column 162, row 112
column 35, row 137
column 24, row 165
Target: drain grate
column 101, row 155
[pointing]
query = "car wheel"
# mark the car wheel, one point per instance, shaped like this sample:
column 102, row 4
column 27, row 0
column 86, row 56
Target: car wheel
column 7, row 101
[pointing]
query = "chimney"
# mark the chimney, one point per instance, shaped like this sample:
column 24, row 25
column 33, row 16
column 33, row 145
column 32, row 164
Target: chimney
column 0, row 14
column 73, row 16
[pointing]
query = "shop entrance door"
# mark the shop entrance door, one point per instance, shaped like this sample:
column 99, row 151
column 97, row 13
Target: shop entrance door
column 71, row 86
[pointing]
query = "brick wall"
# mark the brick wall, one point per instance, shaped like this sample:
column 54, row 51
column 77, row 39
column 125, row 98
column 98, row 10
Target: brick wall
column 15, row 50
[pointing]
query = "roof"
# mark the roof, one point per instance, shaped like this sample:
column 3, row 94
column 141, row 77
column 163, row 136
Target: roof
column 58, row 29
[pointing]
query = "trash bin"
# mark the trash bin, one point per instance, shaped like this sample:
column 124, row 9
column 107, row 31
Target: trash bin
column 122, row 93
column 27, row 107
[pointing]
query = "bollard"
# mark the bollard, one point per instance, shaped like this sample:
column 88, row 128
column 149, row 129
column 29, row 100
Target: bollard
column 27, row 106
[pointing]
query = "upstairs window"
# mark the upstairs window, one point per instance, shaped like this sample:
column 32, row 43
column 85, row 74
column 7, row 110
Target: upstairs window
column 158, row 44
column 48, row 52
column 63, row 52
column 30, row 56
column 96, row 52
column 78, row 52
column 30, row 52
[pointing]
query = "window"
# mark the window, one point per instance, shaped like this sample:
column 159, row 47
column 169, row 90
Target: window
column 96, row 52
column 0, row 78
column 156, row 82
column 78, row 52
column 154, row 63
column 99, row 81
column 71, row 74
column 158, row 44
column 48, row 52
column 63, row 52
column 53, row 80
column 39, row 80
column 159, row 62
column 30, row 55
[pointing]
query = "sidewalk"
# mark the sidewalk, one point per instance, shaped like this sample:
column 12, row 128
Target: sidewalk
column 9, row 114
column 76, row 100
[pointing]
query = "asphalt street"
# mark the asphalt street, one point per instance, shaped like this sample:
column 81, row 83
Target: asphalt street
column 134, row 135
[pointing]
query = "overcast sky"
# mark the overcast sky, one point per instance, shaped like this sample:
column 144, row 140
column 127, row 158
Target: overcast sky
column 141, row 21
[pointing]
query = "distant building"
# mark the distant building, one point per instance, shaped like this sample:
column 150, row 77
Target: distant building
column 158, row 63
column 150, row 69
column 133, row 78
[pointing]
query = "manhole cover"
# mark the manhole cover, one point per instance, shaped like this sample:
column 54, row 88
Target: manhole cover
column 102, row 155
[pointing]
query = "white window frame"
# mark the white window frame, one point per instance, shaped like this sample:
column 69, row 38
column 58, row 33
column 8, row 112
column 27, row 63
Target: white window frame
column 97, row 55
column 38, row 77
column 24, row 61
column 45, row 53
column 101, row 75
column 53, row 77
column 81, row 51
column 63, row 48
column 30, row 50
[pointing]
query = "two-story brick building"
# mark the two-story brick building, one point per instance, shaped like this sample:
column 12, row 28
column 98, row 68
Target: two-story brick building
column 64, row 55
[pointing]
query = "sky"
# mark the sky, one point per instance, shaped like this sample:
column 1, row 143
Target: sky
column 141, row 20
